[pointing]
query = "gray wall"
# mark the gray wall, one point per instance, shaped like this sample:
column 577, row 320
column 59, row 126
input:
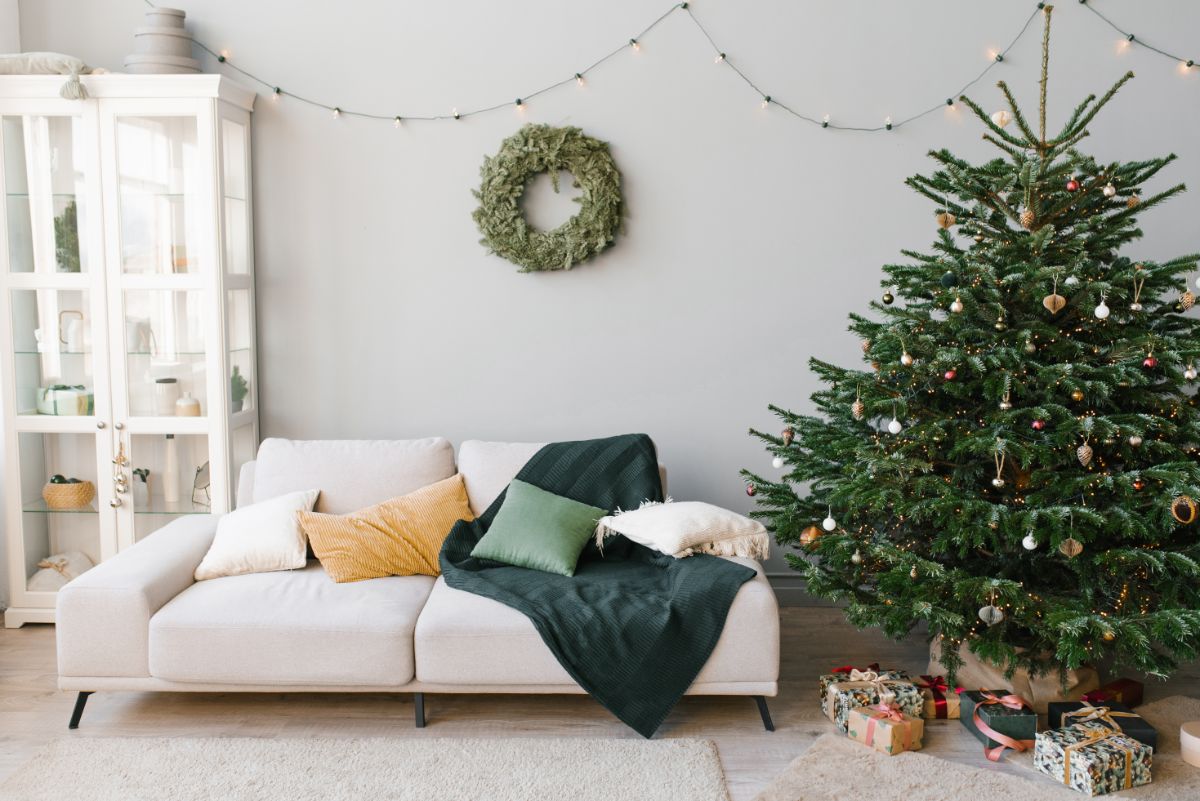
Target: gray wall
column 750, row 235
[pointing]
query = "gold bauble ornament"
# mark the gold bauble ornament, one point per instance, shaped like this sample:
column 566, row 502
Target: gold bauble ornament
column 906, row 359
column 810, row 535
column 913, row 573
column 1183, row 509
column 1077, row 394
column 1070, row 547
column 1109, row 635
column 946, row 219
column 858, row 409
column 1084, row 454
column 1028, row 218
column 1054, row 302
column 978, row 237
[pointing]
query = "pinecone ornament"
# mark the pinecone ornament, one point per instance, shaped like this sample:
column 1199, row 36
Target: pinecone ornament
column 1028, row 218
column 858, row 409
column 1084, row 454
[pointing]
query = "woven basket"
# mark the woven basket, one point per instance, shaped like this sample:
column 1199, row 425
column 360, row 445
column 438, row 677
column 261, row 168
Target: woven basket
column 69, row 496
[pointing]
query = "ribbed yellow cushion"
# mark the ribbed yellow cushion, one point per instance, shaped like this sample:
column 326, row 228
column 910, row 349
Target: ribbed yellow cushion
column 399, row 537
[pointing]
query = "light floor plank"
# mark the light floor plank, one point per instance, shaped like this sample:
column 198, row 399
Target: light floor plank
column 33, row 711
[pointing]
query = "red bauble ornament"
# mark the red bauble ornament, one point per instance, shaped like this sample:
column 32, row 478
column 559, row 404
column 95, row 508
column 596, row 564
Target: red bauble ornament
column 1139, row 484
column 1038, row 425
column 751, row 490
column 950, row 374
column 1072, row 185
column 1149, row 362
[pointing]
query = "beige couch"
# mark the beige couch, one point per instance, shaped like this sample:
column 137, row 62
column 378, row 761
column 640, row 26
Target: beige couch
column 140, row 622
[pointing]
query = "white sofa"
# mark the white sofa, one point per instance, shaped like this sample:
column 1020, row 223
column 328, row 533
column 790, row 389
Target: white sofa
column 140, row 622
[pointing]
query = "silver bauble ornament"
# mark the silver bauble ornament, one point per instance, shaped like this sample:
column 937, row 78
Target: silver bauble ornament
column 1190, row 373
column 997, row 482
column 991, row 614
column 957, row 306
column 1109, row 190
column 1135, row 307
column 1102, row 311
column 906, row 359
column 1135, row 440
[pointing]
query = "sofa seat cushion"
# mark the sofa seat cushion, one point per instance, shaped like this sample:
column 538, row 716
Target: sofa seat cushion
column 463, row 638
column 290, row 627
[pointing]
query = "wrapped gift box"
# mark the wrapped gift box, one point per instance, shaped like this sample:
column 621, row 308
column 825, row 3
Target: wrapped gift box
column 1117, row 717
column 1124, row 691
column 843, row 673
column 865, row 689
column 941, row 703
column 65, row 400
column 1092, row 758
column 885, row 728
column 1018, row 722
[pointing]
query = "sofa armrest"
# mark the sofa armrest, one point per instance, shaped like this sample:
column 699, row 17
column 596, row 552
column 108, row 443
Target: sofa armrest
column 103, row 616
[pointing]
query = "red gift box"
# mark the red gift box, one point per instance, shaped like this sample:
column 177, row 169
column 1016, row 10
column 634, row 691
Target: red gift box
column 1124, row 691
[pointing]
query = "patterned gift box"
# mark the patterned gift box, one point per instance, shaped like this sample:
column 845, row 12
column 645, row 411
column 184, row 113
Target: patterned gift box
column 866, row 688
column 940, row 702
column 999, row 713
column 1092, row 758
column 885, row 728
column 1117, row 717
column 843, row 674
column 64, row 400
column 1124, row 691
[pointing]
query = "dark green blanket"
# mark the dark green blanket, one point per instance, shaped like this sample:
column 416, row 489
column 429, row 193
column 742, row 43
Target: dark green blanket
column 633, row 626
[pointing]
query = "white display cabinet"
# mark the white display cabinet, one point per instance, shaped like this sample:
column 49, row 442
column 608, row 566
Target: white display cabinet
column 127, row 328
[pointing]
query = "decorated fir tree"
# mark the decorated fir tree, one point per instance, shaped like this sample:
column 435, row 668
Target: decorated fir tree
column 1016, row 464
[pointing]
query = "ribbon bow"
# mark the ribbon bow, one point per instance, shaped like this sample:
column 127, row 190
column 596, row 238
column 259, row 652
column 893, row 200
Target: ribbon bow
column 937, row 687
column 893, row 715
column 1087, row 713
column 64, row 387
column 888, row 711
column 874, row 666
column 1010, row 701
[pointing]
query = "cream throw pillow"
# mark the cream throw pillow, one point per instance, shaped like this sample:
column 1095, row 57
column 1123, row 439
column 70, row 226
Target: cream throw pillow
column 259, row 538
column 688, row 527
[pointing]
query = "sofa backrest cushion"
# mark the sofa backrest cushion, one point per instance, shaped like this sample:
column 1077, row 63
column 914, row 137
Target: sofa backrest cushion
column 351, row 474
column 489, row 467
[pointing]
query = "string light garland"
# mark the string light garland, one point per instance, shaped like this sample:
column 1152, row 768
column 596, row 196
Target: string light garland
column 721, row 59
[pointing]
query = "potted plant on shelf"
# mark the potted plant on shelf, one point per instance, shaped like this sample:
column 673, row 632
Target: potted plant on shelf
column 239, row 388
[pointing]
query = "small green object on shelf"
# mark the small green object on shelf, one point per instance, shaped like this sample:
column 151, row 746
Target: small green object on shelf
column 58, row 478
column 239, row 388
column 66, row 239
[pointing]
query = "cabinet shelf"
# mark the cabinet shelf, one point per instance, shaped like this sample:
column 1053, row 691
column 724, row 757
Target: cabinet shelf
column 158, row 506
column 39, row 507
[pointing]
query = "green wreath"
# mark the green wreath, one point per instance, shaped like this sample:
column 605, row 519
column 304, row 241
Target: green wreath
column 540, row 148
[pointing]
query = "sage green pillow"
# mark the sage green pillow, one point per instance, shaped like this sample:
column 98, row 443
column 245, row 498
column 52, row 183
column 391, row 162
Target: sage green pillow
column 539, row 530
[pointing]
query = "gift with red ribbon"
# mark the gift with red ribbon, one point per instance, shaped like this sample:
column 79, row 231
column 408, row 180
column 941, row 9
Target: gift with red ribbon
column 1129, row 692
column 885, row 728
column 999, row 719
column 938, row 705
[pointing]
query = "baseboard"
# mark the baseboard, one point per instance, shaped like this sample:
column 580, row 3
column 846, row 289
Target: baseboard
column 791, row 591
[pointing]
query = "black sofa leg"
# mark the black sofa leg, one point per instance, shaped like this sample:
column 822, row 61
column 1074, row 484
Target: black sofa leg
column 419, row 709
column 80, row 703
column 768, row 724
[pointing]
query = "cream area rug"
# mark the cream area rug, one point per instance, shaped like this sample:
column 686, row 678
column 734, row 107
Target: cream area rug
column 838, row 769
column 379, row 769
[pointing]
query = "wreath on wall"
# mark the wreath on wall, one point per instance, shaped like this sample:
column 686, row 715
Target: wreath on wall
column 544, row 148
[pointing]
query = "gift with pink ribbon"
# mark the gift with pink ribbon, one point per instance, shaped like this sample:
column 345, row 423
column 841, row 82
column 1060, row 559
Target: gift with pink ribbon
column 938, row 704
column 1000, row 719
column 885, row 728
column 845, row 672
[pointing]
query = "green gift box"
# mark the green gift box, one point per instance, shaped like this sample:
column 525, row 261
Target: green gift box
column 1092, row 758
column 1001, row 713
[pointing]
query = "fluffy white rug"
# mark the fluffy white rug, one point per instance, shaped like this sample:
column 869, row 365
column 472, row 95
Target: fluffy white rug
column 837, row 769
column 380, row 769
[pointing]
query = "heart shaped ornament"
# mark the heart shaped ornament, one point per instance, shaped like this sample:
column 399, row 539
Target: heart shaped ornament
column 1054, row 303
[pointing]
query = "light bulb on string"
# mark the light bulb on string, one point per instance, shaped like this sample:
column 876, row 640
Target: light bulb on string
column 337, row 112
column 454, row 113
column 275, row 93
column 520, row 104
column 887, row 123
column 224, row 55
column 635, row 45
column 766, row 101
column 720, row 58
column 579, row 78
column 396, row 122
column 825, row 121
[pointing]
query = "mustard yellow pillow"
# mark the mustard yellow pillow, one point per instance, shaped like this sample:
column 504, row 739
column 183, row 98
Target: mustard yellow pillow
column 399, row 537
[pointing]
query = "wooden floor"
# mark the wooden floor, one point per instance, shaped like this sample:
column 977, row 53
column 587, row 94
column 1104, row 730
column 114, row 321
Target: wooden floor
column 33, row 711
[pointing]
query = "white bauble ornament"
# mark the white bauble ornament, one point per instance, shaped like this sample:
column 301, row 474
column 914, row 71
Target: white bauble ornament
column 906, row 359
column 1110, row 190
column 1071, row 281
column 913, row 573
column 829, row 524
column 856, row 558
column 1190, row 373
column 1102, row 311
column 895, row 427
column 777, row 462
column 991, row 614
column 1001, row 119
column 1135, row 440
column 957, row 306
column 997, row 482
column 1030, row 542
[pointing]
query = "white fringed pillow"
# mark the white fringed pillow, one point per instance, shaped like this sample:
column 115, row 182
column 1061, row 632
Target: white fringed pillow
column 687, row 527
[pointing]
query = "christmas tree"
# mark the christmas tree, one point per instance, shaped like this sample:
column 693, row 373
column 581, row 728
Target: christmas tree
column 1016, row 467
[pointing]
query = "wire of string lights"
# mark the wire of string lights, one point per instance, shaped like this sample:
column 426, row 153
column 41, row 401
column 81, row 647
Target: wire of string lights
column 634, row 43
